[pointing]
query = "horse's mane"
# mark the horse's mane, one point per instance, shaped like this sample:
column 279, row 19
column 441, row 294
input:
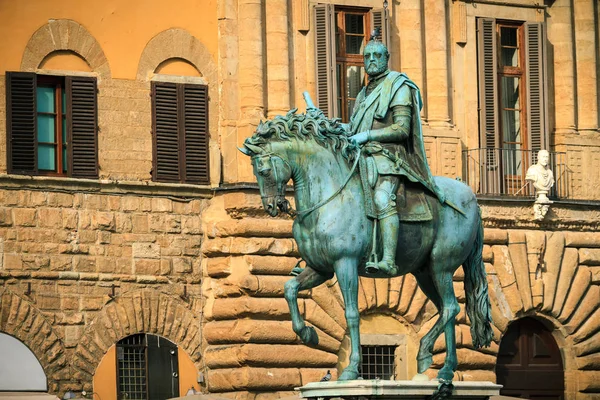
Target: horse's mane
column 329, row 133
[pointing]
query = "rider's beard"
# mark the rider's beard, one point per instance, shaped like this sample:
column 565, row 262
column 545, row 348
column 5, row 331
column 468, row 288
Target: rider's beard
column 374, row 69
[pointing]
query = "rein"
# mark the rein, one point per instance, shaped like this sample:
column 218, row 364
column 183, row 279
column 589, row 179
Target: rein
column 320, row 204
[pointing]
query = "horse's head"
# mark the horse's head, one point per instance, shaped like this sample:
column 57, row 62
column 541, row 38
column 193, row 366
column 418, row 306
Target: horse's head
column 272, row 172
column 277, row 139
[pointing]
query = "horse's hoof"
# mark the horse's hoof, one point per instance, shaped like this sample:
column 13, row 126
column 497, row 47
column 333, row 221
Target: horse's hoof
column 423, row 363
column 444, row 390
column 309, row 336
column 348, row 375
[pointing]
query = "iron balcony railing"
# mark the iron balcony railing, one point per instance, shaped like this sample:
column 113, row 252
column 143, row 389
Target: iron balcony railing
column 501, row 172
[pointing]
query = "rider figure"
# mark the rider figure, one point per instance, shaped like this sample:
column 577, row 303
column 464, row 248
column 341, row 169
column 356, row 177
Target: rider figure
column 386, row 120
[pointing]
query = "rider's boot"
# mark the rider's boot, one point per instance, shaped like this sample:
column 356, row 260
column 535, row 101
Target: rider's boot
column 389, row 236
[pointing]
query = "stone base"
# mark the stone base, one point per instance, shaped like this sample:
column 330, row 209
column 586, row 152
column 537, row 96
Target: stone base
column 405, row 390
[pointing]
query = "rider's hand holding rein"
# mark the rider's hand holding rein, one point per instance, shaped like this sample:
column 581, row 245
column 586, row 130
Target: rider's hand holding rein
column 361, row 137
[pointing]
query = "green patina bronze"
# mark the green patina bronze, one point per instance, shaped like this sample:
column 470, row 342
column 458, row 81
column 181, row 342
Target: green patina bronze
column 367, row 205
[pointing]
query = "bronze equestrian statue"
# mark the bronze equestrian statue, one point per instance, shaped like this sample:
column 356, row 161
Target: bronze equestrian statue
column 374, row 168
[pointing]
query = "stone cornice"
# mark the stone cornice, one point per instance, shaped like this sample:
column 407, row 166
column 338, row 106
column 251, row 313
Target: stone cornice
column 105, row 186
column 517, row 213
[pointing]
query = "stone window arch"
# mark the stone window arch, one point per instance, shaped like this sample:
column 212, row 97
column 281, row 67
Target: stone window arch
column 143, row 311
column 179, row 45
column 64, row 35
column 35, row 332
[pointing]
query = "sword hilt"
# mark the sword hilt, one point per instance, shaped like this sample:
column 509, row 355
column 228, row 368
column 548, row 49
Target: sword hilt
column 309, row 102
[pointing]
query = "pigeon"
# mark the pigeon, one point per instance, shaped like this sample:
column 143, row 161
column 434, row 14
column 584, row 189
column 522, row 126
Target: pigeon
column 327, row 377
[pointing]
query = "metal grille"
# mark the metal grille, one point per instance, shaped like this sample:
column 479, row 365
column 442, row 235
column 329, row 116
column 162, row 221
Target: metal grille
column 378, row 362
column 131, row 363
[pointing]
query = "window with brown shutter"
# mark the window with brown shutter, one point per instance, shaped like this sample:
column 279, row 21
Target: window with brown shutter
column 340, row 36
column 180, row 133
column 512, row 101
column 52, row 125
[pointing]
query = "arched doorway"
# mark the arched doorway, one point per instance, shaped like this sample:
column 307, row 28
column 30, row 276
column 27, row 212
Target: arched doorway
column 145, row 366
column 529, row 362
column 20, row 369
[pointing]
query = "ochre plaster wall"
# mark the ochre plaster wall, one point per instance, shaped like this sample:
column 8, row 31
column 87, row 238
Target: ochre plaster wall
column 105, row 378
column 123, row 28
column 66, row 61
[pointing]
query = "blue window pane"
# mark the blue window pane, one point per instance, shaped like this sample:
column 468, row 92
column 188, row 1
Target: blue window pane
column 46, row 157
column 45, row 128
column 64, row 155
column 45, row 99
column 64, row 102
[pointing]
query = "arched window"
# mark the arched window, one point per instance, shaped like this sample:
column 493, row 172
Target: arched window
column 529, row 362
column 147, row 368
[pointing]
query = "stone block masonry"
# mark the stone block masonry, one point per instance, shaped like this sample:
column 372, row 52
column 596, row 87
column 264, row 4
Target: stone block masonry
column 547, row 273
column 71, row 261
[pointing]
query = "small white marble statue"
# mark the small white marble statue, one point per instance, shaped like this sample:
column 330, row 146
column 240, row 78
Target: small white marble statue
column 542, row 178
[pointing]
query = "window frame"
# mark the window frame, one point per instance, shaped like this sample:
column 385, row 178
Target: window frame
column 498, row 164
column 512, row 179
column 518, row 72
column 344, row 60
column 81, row 124
column 326, row 64
column 59, row 86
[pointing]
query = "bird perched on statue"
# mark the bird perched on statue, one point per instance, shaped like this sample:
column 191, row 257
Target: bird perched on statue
column 327, row 377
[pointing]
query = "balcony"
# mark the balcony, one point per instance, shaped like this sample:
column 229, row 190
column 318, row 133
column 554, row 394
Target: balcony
column 501, row 172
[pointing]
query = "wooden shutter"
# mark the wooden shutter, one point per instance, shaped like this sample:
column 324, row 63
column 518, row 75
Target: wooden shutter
column 166, row 146
column 325, row 59
column 21, row 122
column 379, row 18
column 488, row 83
column 82, row 127
column 195, row 111
column 536, row 85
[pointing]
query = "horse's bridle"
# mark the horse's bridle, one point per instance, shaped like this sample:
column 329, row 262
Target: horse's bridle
column 282, row 203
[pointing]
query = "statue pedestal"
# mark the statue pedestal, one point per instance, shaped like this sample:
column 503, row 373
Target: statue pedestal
column 401, row 390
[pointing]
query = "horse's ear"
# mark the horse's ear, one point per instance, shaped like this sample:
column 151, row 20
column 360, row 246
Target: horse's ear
column 250, row 149
column 246, row 151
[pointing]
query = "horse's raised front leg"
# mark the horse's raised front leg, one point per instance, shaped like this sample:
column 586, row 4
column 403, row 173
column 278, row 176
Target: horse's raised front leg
column 346, row 271
column 308, row 279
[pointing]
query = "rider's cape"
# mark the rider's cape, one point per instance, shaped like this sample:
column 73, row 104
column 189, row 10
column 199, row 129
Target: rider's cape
column 376, row 105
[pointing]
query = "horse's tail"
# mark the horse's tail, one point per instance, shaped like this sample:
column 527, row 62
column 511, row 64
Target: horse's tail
column 476, row 289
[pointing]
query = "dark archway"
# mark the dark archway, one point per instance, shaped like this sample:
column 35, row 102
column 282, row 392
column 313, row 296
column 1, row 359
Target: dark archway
column 529, row 362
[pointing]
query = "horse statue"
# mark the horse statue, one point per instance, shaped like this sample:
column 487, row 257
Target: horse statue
column 335, row 236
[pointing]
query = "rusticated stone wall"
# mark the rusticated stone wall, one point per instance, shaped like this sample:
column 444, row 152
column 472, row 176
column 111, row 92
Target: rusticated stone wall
column 251, row 348
column 81, row 268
